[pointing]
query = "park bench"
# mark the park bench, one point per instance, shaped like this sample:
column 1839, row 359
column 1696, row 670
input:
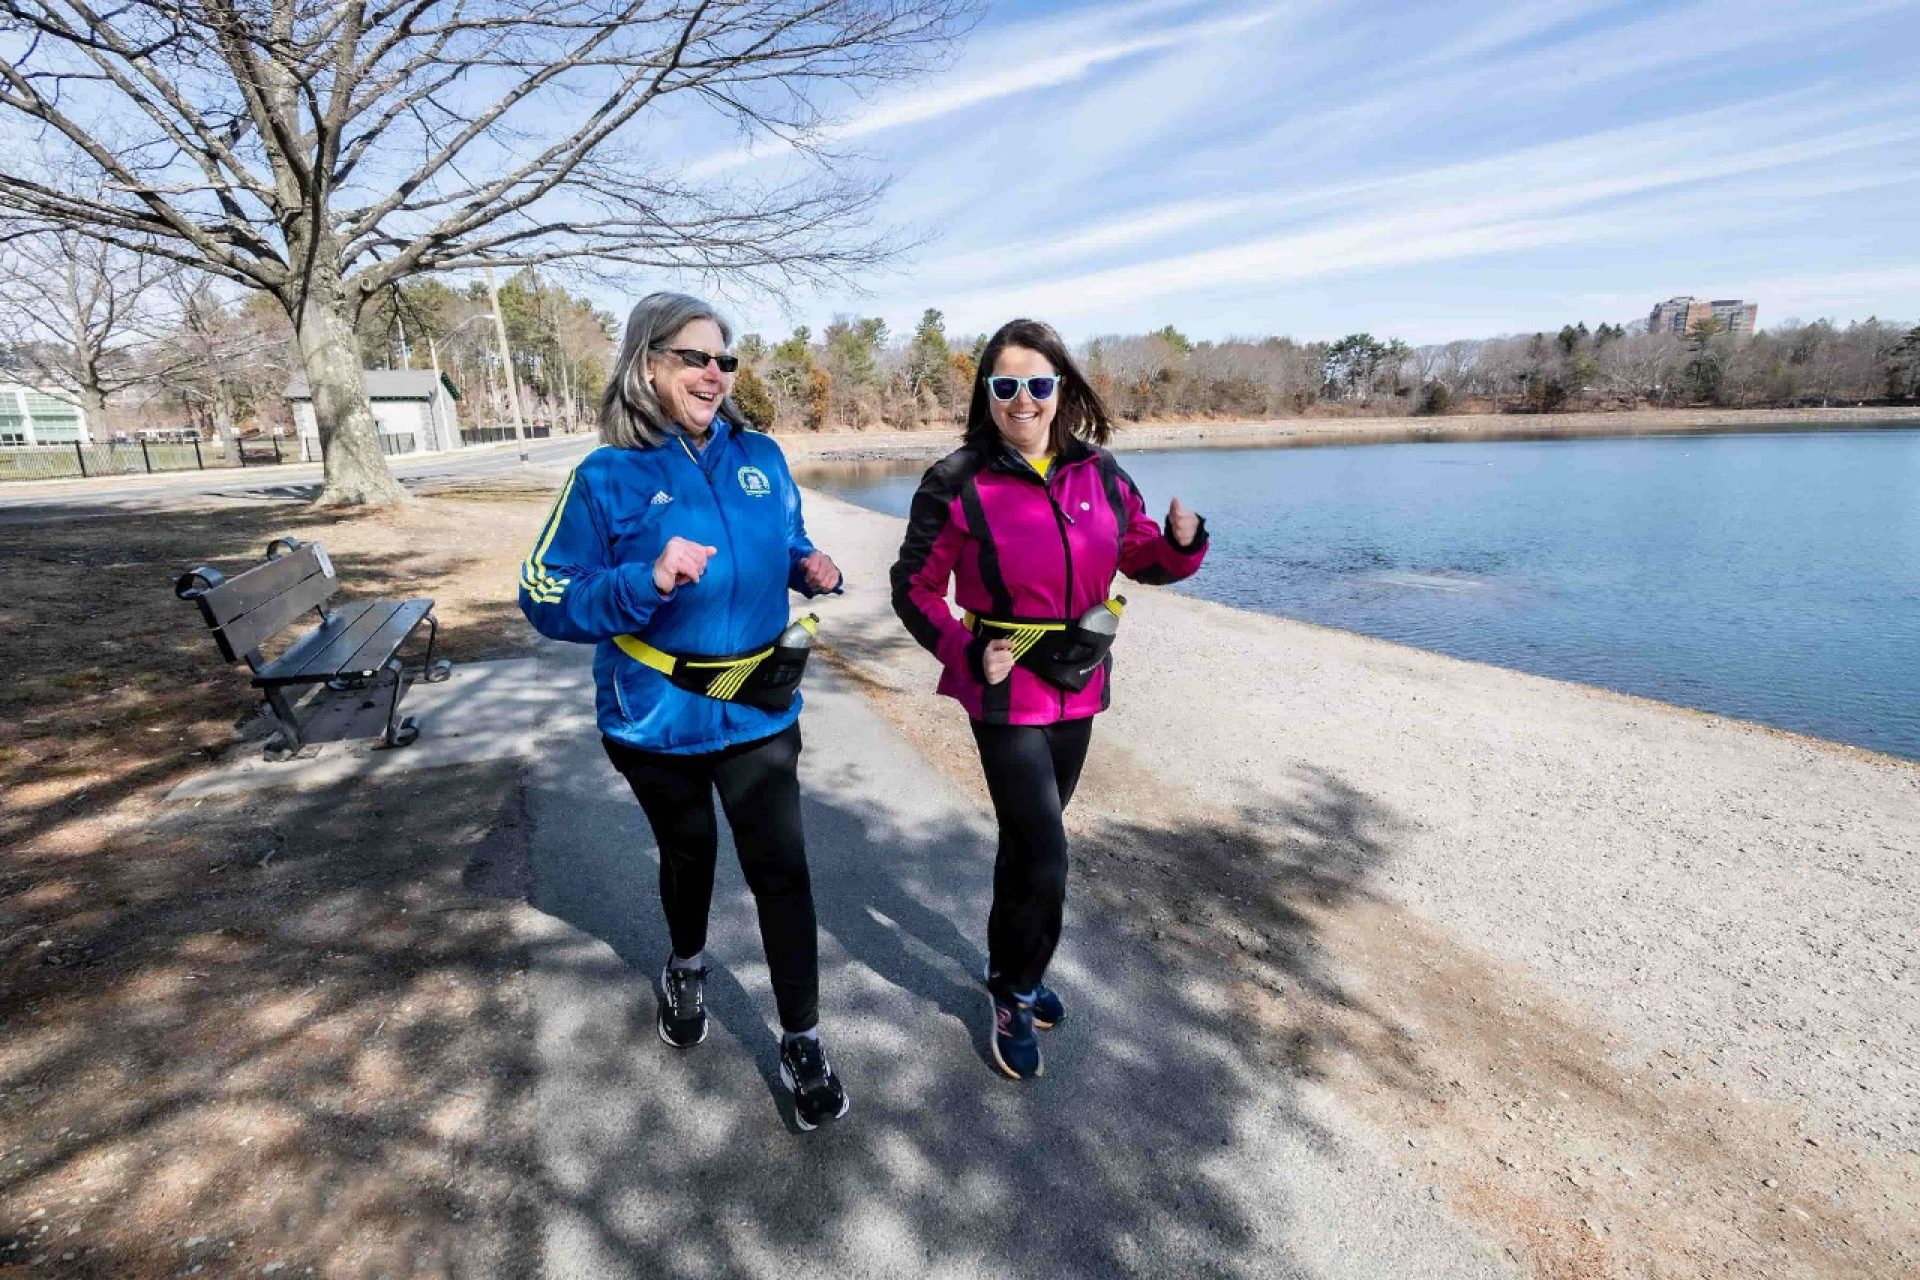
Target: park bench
column 355, row 642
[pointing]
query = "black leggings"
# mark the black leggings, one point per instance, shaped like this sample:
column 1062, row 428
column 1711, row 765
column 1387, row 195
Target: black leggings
column 1031, row 773
column 760, row 791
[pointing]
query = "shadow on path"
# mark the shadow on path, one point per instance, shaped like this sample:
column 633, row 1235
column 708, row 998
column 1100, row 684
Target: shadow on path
column 1159, row 1142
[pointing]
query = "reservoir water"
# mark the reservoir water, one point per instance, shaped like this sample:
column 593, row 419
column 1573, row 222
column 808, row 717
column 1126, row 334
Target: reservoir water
column 1770, row 577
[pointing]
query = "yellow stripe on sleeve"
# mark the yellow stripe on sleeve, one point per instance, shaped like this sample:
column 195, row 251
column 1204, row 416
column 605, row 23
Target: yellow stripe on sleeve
column 540, row 584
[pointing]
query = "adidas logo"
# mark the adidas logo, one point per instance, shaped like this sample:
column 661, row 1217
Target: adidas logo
column 661, row 499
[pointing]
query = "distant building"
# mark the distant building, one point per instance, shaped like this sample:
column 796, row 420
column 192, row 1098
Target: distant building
column 1736, row 317
column 415, row 411
column 33, row 415
column 1679, row 315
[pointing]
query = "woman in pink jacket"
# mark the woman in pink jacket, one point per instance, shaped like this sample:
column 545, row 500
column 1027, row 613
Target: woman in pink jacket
column 1029, row 520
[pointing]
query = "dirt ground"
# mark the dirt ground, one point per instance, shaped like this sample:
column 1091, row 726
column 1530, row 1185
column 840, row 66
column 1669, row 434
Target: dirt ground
column 280, row 1033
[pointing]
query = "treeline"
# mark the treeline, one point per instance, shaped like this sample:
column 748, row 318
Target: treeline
column 182, row 353
column 140, row 344
column 853, row 374
column 560, row 343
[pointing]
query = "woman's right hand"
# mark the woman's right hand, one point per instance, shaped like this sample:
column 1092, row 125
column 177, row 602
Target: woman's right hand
column 997, row 661
column 680, row 561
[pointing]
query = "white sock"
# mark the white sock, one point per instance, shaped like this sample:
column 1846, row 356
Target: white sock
column 698, row 962
column 812, row 1034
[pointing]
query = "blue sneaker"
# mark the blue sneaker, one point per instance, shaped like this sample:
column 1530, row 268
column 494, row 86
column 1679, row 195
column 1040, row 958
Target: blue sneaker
column 1016, row 1048
column 1048, row 1011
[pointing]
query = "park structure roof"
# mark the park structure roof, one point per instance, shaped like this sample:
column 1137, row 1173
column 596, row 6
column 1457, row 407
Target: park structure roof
column 385, row 384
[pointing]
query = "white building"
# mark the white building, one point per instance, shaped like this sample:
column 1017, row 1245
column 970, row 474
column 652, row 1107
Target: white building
column 32, row 415
column 416, row 412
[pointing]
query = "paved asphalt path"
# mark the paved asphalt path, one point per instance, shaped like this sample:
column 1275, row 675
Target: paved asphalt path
column 30, row 502
column 1155, row 1145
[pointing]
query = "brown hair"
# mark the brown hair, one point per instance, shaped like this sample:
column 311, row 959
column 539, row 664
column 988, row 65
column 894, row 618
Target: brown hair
column 1081, row 414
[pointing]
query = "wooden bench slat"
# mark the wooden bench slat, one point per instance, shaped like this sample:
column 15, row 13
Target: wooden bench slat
column 371, row 633
column 251, row 630
column 246, row 592
column 379, row 647
column 300, row 655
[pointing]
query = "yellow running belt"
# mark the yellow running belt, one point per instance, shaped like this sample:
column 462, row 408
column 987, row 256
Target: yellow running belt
column 1025, row 635
column 729, row 674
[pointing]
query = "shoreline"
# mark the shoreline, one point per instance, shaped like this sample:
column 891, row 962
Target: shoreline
column 844, row 445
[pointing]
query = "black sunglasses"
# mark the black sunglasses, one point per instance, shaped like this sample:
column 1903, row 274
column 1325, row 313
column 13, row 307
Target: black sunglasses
column 697, row 359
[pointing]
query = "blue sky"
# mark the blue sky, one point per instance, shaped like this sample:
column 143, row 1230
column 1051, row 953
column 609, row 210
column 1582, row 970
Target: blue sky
column 1425, row 172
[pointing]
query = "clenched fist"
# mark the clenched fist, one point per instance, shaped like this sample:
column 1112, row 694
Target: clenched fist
column 681, row 561
column 821, row 572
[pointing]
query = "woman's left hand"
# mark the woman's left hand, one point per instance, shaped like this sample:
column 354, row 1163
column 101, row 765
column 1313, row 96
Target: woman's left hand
column 822, row 573
column 1183, row 524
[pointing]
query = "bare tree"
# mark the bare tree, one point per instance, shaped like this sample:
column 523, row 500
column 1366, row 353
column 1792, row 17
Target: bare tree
column 223, row 360
column 1642, row 364
column 82, row 315
column 323, row 150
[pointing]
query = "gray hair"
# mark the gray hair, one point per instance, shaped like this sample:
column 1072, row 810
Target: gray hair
column 631, row 416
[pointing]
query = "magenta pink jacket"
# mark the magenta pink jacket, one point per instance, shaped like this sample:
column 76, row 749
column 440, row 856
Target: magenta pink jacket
column 1017, row 547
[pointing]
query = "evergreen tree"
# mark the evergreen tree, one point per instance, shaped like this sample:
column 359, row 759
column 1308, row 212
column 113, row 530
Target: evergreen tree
column 751, row 394
column 928, row 354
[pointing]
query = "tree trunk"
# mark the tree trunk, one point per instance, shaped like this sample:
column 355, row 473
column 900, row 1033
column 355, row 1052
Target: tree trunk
column 93, row 403
column 355, row 470
column 223, row 421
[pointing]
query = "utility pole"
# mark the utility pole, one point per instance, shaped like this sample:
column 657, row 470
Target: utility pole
column 506, row 366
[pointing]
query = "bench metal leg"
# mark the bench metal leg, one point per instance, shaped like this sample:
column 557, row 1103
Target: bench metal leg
column 434, row 672
column 282, row 707
column 401, row 732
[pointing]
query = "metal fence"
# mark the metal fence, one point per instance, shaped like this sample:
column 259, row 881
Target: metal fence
column 499, row 435
column 141, row 457
column 134, row 457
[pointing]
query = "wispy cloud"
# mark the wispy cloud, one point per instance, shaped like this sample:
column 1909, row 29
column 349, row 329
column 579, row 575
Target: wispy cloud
column 1273, row 166
column 1563, row 192
column 1010, row 71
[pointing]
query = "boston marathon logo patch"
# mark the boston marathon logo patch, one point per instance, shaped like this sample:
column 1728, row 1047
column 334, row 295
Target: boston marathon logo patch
column 754, row 482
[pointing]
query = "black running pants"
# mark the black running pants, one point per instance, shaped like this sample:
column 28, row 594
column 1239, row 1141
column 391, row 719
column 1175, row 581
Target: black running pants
column 1031, row 773
column 760, row 793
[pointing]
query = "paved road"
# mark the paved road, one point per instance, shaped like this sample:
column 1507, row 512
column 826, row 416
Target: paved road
column 33, row 501
column 1155, row 1145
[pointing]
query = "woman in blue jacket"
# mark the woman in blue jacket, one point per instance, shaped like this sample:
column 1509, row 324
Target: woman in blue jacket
column 672, row 548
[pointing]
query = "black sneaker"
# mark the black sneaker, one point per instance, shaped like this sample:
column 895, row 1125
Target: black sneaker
column 683, row 1014
column 817, row 1095
column 1048, row 1011
column 1016, row 1047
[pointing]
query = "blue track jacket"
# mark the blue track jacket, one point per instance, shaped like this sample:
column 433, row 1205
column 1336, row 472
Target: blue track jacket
column 590, row 578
